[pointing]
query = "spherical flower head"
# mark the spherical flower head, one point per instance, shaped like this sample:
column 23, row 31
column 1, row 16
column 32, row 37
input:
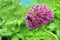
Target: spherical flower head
column 38, row 15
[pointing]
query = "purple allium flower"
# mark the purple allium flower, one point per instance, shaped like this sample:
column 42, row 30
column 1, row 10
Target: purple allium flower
column 38, row 15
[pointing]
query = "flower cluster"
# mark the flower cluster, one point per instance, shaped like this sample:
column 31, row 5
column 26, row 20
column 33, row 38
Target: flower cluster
column 38, row 15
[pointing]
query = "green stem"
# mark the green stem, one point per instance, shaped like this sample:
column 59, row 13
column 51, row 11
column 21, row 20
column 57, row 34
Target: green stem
column 50, row 33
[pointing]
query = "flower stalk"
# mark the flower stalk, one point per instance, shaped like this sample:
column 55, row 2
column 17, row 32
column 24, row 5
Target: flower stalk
column 50, row 33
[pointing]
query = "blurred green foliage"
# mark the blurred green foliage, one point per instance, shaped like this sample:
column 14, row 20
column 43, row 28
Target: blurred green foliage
column 13, row 25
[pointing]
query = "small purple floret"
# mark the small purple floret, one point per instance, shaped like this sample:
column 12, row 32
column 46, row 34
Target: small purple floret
column 38, row 15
